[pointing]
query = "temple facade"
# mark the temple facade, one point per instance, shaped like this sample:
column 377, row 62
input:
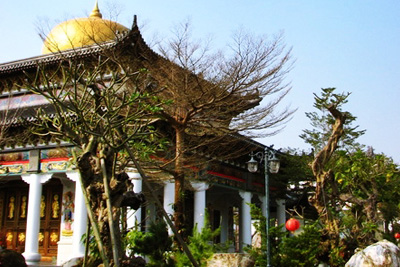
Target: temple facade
column 43, row 214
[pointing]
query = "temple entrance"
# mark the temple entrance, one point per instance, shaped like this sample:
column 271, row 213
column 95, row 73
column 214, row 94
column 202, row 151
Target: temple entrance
column 14, row 207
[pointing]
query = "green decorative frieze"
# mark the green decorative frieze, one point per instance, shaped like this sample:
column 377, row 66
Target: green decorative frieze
column 13, row 169
column 56, row 166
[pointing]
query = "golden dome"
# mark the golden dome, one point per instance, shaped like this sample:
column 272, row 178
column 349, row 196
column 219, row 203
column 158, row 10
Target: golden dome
column 81, row 32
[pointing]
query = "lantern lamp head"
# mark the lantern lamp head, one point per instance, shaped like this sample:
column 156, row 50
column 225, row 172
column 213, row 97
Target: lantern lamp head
column 252, row 165
column 274, row 164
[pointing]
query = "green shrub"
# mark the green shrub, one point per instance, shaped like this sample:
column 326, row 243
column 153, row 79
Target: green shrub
column 286, row 250
column 158, row 246
column 201, row 246
column 302, row 249
column 155, row 244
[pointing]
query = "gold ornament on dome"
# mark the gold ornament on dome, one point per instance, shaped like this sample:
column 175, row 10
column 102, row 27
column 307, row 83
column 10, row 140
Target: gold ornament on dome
column 82, row 32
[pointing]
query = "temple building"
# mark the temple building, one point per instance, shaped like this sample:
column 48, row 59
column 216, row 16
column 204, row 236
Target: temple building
column 43, row 214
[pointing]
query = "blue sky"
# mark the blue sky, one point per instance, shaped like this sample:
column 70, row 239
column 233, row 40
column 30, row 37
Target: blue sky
column 353, row 45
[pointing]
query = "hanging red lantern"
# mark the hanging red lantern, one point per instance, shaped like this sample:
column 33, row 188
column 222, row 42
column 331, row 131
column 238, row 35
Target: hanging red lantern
column 292, row 224
column 397, row 235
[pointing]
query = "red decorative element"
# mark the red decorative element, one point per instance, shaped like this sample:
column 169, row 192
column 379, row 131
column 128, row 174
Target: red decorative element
column 397, row 235
column 292, row 224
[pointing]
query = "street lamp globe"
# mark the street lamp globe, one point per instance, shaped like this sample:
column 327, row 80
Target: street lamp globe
column 252, row 165
column 274, row 164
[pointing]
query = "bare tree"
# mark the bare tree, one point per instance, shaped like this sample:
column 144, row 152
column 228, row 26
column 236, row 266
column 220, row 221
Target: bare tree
column 219, row 95
column 9, row 115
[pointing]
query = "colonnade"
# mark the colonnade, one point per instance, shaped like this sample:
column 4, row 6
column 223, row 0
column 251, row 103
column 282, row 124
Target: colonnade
column 36, row 180
column 200, row 206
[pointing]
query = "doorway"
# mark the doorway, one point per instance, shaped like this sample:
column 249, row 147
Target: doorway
column 14, row 205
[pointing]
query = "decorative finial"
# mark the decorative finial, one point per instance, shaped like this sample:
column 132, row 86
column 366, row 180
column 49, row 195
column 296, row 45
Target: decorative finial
column 134, row 21
column 96, row 12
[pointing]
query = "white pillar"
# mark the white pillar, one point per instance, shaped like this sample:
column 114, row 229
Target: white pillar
column 150, row 214
column 245, row 227
column 134, row 217
column 224, row 224
column 281, row 212
column 35, row 181
column 169, row 199
column 263, row 206
column 199, row 204
column 80, row 217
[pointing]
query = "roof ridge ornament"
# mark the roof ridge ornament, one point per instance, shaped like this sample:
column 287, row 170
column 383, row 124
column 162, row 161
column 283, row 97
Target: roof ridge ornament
column 96, row 12
column 134, row 21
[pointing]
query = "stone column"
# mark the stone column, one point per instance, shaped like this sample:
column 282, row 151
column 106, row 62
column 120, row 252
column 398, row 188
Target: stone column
column 35, row 181
column 224, row 223
column 263, row 206
column 245, row 227
column 80, row 217
column 150, row 214
column 281, row 212
column 169, row 198
column 199, row 203
column 135, row 216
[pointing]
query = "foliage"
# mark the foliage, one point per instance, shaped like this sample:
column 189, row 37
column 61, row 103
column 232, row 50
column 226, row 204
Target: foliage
column 257, row 253
column 94, row 257
column 322, row 122
column 158, row 246
column 356, row 192
column 301, row 249
column 368, row 186
column 200, row 244
column 155, row 244
column 286, row 250
column 332, row 131
column 295, row 177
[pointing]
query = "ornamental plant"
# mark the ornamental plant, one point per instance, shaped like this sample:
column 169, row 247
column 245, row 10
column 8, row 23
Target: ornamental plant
column 159, row 247
column 287, row 250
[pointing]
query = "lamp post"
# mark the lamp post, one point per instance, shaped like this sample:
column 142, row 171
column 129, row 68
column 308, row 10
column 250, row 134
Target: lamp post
column 271, row 164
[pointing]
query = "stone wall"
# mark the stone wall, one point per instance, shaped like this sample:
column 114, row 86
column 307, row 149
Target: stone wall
column 230, row 260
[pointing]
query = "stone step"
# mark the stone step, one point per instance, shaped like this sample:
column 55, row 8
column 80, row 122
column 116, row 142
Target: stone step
column 45, row 262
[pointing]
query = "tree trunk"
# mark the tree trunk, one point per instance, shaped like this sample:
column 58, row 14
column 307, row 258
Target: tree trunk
column 324, row 178
column 323, row 201
column 104, row 196
column 179, row 180
column 113, row 236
